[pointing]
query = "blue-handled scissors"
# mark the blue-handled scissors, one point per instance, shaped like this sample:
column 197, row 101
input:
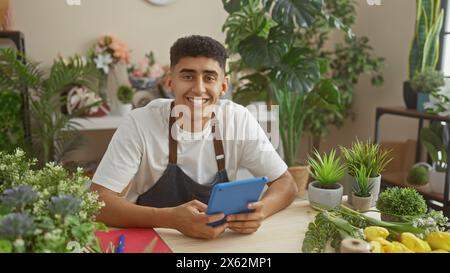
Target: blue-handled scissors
column 121, row 245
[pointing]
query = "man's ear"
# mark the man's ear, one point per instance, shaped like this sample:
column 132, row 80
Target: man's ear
column 225, row 85
column 169, row 79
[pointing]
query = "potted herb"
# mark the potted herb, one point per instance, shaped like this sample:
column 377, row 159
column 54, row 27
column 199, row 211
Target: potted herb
column 374, row 160
column 327, row 170
column 425, row 83
column 425, row 46
column 432, row 139
column 362, row 190
column 395, row 203
column 125, row 96
column 418, row 176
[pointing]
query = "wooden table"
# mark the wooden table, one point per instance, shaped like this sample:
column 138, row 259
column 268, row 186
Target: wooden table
column 281, row 233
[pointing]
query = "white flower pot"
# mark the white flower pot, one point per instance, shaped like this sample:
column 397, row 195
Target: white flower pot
column 437, row 181
column 376, row 181
column 124, row 109
column 324, row 197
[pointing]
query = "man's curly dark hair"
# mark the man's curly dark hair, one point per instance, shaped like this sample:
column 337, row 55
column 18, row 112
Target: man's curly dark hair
column 198, row 46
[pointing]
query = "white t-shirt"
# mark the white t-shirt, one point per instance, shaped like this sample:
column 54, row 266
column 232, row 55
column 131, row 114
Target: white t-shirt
column 139, row 150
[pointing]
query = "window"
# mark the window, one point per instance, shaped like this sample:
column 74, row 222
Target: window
column 445, row 56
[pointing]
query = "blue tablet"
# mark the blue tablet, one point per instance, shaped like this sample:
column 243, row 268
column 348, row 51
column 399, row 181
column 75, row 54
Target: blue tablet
column 234, row 197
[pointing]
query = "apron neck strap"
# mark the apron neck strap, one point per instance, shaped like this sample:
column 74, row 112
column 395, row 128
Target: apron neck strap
column 218, row 145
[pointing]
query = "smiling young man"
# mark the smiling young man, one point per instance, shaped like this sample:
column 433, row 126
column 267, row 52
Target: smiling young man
column 172, row 152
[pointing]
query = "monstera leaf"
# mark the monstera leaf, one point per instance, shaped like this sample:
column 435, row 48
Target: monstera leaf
column 292, row 13
column 258, row 52
column 297, row 72
column 234, row 5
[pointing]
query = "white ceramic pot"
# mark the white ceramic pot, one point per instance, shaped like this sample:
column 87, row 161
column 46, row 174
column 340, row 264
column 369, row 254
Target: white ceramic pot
column 437, row 181
column 124, row 109
column 361, row 203
column 324, row 197
column 376, row 181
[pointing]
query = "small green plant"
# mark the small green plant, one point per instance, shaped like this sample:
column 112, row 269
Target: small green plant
column 431, row 138
column 326, row 169
column 427, row 81
column 125, row 94
column 366, row 154
column 401, row 202
column 363, row 186
column 418, row 176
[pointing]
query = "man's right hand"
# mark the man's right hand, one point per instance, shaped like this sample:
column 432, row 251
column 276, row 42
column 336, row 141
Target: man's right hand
column 191, row 220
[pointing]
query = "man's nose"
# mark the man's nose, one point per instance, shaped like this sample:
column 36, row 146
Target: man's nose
column 199, row 87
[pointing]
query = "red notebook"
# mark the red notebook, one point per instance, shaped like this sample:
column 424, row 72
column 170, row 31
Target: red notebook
column 136, row 241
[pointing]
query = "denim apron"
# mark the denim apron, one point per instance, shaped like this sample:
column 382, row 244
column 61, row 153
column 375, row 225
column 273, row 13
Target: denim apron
column 175, row 188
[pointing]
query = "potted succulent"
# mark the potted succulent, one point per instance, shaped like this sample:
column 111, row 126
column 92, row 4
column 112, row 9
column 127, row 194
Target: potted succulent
column 327, row 170
column 418, row 176
column 395, row 203
column 362, row 190
column 425, row 46
column 432, row 139
column 374, row 160
column 425, row 83
column 125, row 96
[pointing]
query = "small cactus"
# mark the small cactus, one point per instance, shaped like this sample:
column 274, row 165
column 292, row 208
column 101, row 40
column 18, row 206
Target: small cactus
column 418, row 176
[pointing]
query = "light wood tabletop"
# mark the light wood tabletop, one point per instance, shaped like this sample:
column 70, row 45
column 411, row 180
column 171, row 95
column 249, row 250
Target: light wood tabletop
column 281, row 233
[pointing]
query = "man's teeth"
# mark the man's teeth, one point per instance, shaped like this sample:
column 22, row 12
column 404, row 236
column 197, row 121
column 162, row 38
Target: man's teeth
column 197, row 100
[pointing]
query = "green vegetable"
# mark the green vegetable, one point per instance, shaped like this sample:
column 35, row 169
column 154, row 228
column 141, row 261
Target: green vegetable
column 125, row 94
column 401, row 202
column 326, row 169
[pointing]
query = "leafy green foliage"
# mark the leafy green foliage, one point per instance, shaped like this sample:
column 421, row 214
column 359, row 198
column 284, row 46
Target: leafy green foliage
column 46, row 210
column 366, row 154
column 401, row 202
column 326, row 169
column 363, row 187
column 54, row 132
column 11, row 128
column 125, row 94
column 431, row 138
column 418, row 175
column 425, row 46
column 427, row 81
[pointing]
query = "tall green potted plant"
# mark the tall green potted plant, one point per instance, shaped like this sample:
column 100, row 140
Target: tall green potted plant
column 262, row 34
column 53, row 132
column 425, row 46
column 372, row 158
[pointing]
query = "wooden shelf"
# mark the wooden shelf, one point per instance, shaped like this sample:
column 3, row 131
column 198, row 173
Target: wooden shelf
column 402, row 111
column 399, row 179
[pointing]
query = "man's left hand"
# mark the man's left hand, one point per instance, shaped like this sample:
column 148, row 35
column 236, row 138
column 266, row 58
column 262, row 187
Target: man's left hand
column 247, row 223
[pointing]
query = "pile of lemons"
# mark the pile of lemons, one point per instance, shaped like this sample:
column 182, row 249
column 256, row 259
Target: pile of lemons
column 438, row 241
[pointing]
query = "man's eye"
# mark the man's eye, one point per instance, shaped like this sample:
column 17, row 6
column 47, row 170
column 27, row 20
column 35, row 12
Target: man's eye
column 210, row 78
column 187, row 77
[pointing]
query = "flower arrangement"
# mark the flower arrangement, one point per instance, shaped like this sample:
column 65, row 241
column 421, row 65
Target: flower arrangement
column 109, row 51
column 47, row 210
column 84, row 102
column 147, row 73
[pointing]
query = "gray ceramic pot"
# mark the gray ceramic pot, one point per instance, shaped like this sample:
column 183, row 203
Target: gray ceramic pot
column 324, row 197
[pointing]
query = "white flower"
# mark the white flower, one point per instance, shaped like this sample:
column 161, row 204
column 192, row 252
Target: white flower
column 103, row 61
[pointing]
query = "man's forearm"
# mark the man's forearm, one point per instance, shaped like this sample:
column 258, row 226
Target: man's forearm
column 120, row 213
column 279, row 195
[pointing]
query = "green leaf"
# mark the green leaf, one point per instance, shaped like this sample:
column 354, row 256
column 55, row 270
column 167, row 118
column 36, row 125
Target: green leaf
column 296, row 13
column 259, row 53
column 234, row 5
column 297, row 72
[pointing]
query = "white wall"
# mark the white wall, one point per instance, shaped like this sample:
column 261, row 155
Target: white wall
column 52, row 27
